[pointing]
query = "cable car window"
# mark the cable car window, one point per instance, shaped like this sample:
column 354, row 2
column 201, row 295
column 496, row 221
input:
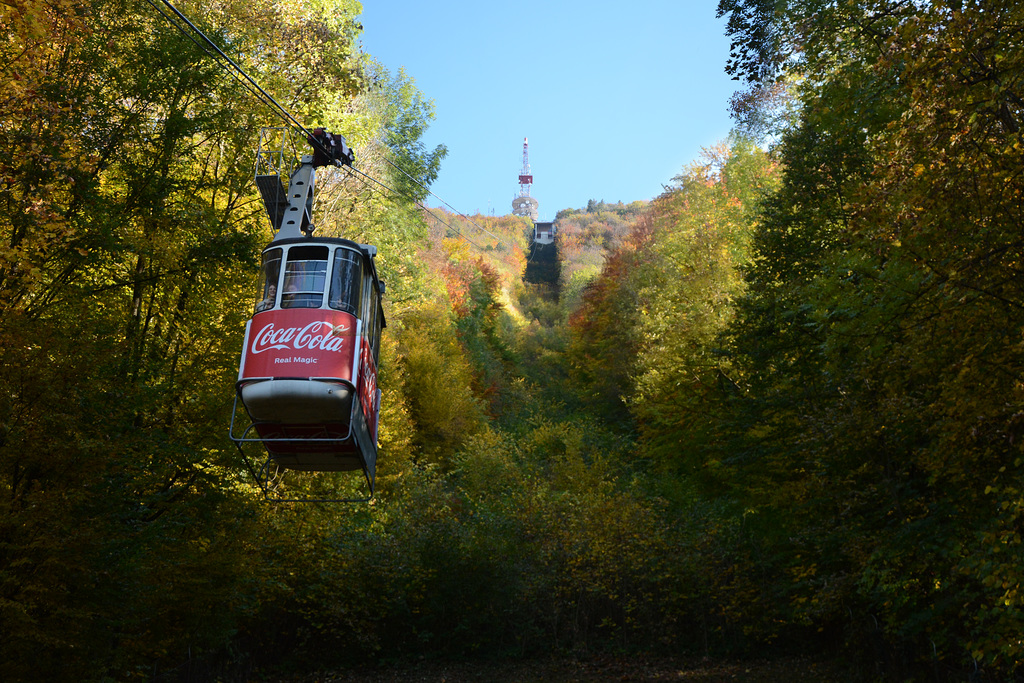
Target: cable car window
column 269, row 274
column 346, row 280
column 371, row 314
column 369, row 308
column 376, row 334
column 305, row 275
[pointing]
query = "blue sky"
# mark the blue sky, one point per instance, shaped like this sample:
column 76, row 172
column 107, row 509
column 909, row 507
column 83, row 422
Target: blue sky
column 615, row 97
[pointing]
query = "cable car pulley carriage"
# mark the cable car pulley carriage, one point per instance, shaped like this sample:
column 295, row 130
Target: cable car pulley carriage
column 307, row 379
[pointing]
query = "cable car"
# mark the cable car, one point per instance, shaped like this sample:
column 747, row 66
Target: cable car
column 307, row 379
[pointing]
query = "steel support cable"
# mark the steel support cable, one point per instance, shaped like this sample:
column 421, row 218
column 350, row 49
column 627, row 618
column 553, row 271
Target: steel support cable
column 266, row 98
column 255, row 92
column 431, row 193
column 249, row 83
column 417, row 203
column 427, row 210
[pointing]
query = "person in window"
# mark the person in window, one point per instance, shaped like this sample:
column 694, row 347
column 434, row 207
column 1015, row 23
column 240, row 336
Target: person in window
column 290, row 298
column 268, row 301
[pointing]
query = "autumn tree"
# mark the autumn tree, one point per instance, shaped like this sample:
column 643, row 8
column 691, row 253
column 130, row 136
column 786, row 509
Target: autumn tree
column 131, row 236
column 688, row 280
column 877, row 332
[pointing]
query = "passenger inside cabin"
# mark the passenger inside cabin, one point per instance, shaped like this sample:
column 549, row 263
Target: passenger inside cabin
column 268, row 300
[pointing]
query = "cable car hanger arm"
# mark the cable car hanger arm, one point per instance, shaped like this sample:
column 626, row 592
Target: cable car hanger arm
column 291, row 212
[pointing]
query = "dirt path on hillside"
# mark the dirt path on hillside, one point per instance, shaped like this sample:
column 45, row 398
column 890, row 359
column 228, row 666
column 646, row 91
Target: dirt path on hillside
column 596, row 670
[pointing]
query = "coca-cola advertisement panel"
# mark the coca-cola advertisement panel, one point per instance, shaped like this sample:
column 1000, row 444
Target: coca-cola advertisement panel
column 368, row 386
column 300, row 342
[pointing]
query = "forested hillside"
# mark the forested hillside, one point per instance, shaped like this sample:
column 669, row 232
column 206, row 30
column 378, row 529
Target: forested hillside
column 821, row 347
column 774, row 411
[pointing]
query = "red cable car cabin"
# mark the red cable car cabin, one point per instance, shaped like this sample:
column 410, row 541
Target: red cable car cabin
column 308, row 374
column 308, row 377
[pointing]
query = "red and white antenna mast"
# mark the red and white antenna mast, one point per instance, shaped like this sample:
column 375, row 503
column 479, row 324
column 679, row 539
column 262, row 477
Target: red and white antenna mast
column 524, row 204
column 525, row 177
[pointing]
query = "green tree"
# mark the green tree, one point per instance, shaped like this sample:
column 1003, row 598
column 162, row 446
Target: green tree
column 875, row 335
column 131, row 237
column 688, row 280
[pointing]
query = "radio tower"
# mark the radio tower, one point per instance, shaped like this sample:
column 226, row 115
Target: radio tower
column 524, row 204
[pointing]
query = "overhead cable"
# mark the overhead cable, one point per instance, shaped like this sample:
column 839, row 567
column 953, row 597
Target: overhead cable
column 431, row 193
column 254, row 88
column 264, row 96
column 419, row 204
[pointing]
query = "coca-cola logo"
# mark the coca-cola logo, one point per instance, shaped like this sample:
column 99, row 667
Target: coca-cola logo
column 318, row 334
